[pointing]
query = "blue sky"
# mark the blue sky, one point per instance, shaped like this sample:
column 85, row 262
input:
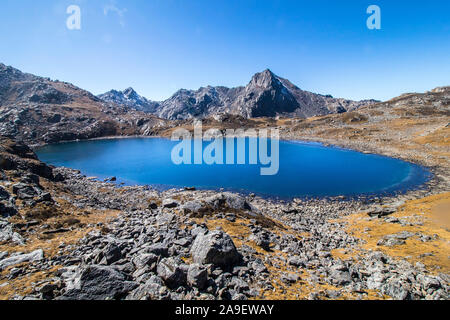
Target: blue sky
column 159, row 46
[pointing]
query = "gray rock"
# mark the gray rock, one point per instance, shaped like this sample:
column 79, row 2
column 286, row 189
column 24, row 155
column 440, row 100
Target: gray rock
column 290, row 278
column 227, row 200
column 34, row 256
column 7, row 234
column 25, row 191
column 96, row 283
column 395, row 239
column 197, row 276
column 153, row 205
column 7, row 206
column 170, row 203
column 239, row 297
column 112, row 253
column 47, row 290
column 198, row 229
column 3, row 254
column 236, row 202
column 230, row 217
column 239, row 285
column 215, row 248
column 429, row 282
column 159, row 249
column 296, row 261
column 382, row 212
column 184, row 242
column 339, row 275
column 259, row 267
column 153, row 289
column 262, row 239
column 44, row 197
column 193, row 207
column 169, row 269
column 146, row 259
column 14, row 273
column 375, row 281
column 397, row 290
column 4, row 195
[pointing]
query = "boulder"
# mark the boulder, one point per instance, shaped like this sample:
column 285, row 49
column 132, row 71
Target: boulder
column 4, row 195
column 7, row 233
column 169, row 269
column 227, row 200
column 152, row 289
column 153, row 205
column 7, row 209
column 197, row 276
column 159, row 249
column 170, row 203
column 216, row 248
column 24, row 191
column 395, row 239
column 339, row 274
column 193, row 207
column 3, row 254
column 95, row 283
column 296, row 261
column 30, row 179
column 145, row 260
column 112, row 253
column 262, row 239
column 236, row 202
column 381, row 212
column 34, row 256
column 398, row 290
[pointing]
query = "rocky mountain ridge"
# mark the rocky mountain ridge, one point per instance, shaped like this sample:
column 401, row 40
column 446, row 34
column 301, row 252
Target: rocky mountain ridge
column 38, row 110
column 130, row 99
column 266, row 95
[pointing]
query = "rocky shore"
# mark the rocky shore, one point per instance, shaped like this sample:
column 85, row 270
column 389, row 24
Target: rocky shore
column 65, row 236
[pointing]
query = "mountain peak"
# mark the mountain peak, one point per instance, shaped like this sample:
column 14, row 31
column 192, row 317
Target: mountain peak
column 265, row 79
column 130, row 93
column 130, row 99
column 268, row 72
column 266, row 95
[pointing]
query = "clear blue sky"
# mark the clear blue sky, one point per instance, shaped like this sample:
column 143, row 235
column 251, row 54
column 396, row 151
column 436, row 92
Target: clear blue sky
column 159, row 46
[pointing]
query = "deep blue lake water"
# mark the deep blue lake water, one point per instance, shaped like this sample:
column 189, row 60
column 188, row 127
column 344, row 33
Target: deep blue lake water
column 305, row 169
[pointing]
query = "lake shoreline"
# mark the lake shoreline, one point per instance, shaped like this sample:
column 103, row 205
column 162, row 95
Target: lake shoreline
column 299, row 249
column 434, row 183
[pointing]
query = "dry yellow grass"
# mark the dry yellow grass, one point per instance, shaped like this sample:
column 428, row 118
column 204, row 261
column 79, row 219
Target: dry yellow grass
column 433, row 214
column 278, row 266
column 66, row 215
column 24, row 285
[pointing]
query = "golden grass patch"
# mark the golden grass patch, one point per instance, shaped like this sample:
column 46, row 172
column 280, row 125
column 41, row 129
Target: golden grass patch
column 428, row 213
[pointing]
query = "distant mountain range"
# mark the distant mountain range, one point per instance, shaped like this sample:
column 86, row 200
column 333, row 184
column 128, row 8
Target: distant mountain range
column 36, row 109
column 39, row 110
column 129, row 99
column 266, row 95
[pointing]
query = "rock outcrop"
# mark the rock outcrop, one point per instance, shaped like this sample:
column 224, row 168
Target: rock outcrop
column 215, row 248
column 38, row 110
column 130, row 99
column 267, row 95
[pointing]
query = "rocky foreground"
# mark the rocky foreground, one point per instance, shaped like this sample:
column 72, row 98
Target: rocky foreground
column 66, row 236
